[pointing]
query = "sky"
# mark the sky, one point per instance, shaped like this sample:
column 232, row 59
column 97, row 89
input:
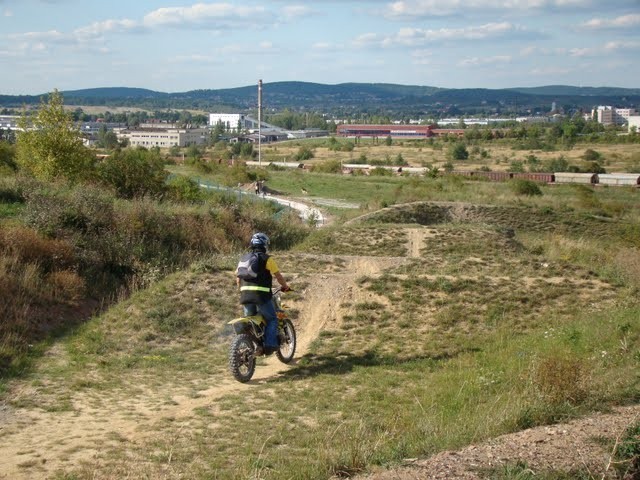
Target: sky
column 177, row 46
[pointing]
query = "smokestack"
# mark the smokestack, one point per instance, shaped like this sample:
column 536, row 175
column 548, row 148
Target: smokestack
column 260, row 122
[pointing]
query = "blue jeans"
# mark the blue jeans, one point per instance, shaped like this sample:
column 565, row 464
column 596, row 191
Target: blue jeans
column 268, row 311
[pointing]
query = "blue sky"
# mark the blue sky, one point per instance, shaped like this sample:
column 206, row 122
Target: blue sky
column 176, row 46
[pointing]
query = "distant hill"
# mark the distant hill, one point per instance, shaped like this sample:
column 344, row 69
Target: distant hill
column 348, row 98
column 566, row 90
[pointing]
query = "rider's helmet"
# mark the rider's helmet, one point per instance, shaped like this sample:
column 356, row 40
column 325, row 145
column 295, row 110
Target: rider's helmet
column 259, row 240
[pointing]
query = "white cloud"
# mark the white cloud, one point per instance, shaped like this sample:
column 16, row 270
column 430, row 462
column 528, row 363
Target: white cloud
column 296, row 11
column 208, row 15
column 481, row 61
column 7, row 13
column 434, row 8
column 97, row 29
column 550, row 71
column 622, row 22
column 620, row 46
column 418, row 36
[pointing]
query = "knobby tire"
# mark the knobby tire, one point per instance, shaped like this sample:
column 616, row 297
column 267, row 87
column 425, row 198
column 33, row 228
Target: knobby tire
column 288, row 342
column 242, row 360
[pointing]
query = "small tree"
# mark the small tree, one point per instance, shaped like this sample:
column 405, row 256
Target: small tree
column 458, row 151
column 107, row 138
column 50, row 145
column 134, row 173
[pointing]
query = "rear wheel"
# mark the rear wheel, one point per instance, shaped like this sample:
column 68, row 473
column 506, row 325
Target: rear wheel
column 287, row 336
column 242, row 359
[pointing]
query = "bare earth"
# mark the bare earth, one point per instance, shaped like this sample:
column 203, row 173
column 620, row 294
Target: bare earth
column 566, row 447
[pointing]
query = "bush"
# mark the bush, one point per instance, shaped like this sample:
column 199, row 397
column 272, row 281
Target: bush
column 7, row 158
column 330, row 166
column 304, row 153
column 184, row 189
column 381, row 172
column 458, row 151
column 134, row 173
column 559, row 379
column 525, row 187
column 591, row 155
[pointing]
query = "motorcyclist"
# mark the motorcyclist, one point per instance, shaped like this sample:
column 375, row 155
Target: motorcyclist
column 256, row 295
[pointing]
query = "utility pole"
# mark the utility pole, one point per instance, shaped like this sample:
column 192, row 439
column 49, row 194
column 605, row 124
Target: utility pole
column 260, row 122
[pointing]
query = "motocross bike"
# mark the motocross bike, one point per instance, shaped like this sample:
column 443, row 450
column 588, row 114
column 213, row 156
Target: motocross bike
column 249, row 341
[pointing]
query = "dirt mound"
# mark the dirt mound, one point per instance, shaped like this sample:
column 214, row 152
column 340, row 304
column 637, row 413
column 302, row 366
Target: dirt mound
column 583, row 445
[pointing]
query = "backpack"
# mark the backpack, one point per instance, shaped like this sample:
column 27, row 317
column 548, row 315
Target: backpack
column 249, row 266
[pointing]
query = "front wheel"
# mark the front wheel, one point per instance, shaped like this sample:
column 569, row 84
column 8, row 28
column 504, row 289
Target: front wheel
column 242, row 359
column 287, row 335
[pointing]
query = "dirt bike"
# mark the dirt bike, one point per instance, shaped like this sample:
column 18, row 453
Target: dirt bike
column 249, row 341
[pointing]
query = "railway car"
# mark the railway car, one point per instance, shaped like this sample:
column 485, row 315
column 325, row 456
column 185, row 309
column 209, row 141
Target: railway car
column 536, row 177
column 494, row 176
column 576, row 178
column 619, row 179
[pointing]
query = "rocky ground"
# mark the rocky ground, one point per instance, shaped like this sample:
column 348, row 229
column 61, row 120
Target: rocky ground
column 581, row 448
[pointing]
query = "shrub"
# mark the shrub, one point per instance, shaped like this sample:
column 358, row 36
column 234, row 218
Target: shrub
column 25, row 245
column 11, row 191
column 559, row 379
column 7, row 157
column 329, row 166
column 304, row 153
column 184, row 189
column 525, row 187
column 66, row 286
column 591, row 155
column 458, row 151
column 381, row 172
column 134, row 173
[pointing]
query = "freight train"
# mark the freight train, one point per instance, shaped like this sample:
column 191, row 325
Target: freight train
column 558, row 178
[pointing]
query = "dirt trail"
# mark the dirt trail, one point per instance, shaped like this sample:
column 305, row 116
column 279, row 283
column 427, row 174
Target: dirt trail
column 35, row 443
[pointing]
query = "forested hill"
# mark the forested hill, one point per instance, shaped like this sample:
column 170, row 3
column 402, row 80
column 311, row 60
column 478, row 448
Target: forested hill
column 348, row 98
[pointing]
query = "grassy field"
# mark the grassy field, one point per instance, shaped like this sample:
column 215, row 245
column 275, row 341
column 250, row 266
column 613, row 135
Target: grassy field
column 423, row 327
column 498, row 155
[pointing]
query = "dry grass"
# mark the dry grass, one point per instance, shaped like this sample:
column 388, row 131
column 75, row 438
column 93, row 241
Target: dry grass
column 500, row 156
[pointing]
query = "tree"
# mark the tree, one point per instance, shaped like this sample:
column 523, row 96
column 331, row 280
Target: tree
column 50, row 145
column 458, row 151
column 107, row 138
column 134, row 172
column 7, row 157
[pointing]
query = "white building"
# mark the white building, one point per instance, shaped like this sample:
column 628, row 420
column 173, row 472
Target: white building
column 608, row 115
column 634, row 121
column 9, row 122
column 230, row 121
column 163, row 138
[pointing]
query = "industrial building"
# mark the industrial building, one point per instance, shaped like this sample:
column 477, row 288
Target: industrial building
column 383, row 131
column 608, row 115
column 230, row 121
column 396, row 131
column 163, row 138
